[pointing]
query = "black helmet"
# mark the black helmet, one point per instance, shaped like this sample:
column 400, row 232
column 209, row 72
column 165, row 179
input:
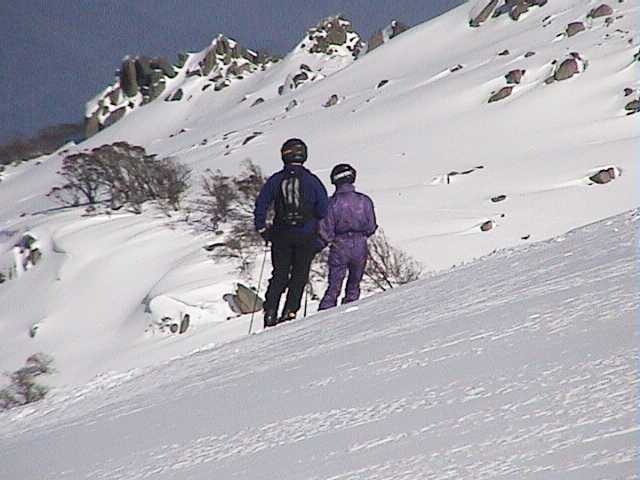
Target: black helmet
column 293, row 151
column 343, row 173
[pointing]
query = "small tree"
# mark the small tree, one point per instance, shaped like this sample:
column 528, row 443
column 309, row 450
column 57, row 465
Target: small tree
column 122, row 175
column 23, row 387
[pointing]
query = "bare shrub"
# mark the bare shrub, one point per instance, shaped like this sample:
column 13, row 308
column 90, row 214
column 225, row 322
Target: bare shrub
column 122, row 175
column 227, row 203
column 23, row 387
column 387, row 266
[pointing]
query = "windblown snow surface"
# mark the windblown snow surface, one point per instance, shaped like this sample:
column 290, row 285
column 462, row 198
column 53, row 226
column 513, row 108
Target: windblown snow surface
column 521, row 362
column 520, row 366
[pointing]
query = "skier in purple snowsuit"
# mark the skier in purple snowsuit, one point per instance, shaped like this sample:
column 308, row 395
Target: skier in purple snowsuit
column 350, row 221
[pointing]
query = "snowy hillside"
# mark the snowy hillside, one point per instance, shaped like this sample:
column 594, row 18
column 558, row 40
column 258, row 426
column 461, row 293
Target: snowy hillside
column 454, row 175
column 520, row 366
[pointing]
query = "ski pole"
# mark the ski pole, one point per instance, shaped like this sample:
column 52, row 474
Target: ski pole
column 255, row 301
column 306, row 298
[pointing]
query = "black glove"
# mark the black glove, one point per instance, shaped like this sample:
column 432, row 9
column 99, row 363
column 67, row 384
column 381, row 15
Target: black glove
column 266, row 234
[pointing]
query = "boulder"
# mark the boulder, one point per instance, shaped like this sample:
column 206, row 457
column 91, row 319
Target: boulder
column 91, row 125
column 486, row 226
column 114, row 117
column 603, row 10
column 258, row 101
column 128, row 78
column 161, row 63
column 484, row 14
column 567, row 69
column 574, row 28
column 633, row 106
column 382, row 83
column 529, row 54
column 209, row 61
column 176, row 96
column 504, row 92
column 515, row 76
column 292, row 104
column 628, row 91
column 603, row 176
column 333, row 100
column 182, row 59
column 504, row 53
column 498, row 198
column 386, row 34
column 456, row 68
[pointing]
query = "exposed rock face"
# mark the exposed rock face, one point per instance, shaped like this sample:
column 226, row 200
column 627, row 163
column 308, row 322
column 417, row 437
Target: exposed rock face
column 568, row 68
column 141, row 80
column 574, row 28
column 603, row 10
column 632, row 107
column 331, row 34
column 495, row 8
column 384, row 35
column 504, row 92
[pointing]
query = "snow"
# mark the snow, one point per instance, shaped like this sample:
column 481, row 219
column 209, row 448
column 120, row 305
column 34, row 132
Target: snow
column 519, row 365
column 517, row 360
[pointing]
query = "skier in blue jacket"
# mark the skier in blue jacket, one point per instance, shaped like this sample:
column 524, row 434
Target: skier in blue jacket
column 300, row 200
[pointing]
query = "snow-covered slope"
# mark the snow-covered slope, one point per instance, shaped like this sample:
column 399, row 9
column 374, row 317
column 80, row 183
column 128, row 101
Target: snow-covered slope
column 413, row 117
column 521, row 366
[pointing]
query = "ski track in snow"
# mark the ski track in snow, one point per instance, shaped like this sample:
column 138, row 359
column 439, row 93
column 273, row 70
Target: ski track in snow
column 524, row 365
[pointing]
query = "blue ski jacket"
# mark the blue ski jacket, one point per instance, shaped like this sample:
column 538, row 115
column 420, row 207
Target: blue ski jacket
column 315, row 197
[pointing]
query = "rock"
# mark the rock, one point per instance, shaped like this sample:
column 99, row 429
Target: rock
column 574, row 28
column 529, row 54
column 633, row 106
column 91, row 125
column 498, row 198
column 486, row 226
column 628, row 91
column 514, row 76
column 504, row 92
column 603, row 10
column 258, row 101
column 609, row 21
column 209, row 61
column 333, row 100
column 603, row 176
column 161, row 63
column 114, row 117
column 176, row 96
column 114, row 96
column 525, row 237
column 456, row 68
column 251, row 137
column 128, row 81
column 504, row 53
column 567, row 69
column 484, row 14
column 382, row 83
column 386, row 34
column 292, row 104
column 300, row 78
column 521, row 7
column 182, row 59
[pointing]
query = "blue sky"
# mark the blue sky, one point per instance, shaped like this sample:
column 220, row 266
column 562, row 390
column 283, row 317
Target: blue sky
column 56, row 55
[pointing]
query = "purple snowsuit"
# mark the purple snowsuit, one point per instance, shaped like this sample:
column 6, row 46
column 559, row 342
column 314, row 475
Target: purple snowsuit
column 350, row 221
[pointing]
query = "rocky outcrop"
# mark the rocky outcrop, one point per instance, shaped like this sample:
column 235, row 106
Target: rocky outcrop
column 142, row 80
column 604, row 176
column 486, row 9
column 632, row 107
column 384, row 35
column 331, row 36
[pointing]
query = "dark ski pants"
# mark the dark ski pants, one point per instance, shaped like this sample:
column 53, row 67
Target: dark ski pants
column 347, row 253
column 291, row 257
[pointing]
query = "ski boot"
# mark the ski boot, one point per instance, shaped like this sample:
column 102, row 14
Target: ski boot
column 287, row 315
column 270, row 318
